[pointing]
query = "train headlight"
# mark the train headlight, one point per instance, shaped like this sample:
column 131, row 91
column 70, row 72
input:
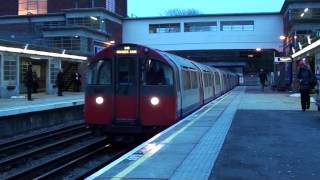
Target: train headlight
column 99, row 100
column 154, row 101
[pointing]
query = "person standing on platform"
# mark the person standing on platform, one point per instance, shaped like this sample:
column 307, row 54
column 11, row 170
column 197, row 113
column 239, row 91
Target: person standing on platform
column 35, row 82
column 77, row 81
column 59, row 82
column 305, row 78
column 263, row 78
column 29, row 81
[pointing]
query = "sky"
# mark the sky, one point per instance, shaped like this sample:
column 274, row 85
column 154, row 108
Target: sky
column 145, row 8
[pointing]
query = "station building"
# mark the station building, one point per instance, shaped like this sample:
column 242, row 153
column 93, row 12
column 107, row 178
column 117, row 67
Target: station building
column 302, row 30
column 73, row 27
column 243, row 43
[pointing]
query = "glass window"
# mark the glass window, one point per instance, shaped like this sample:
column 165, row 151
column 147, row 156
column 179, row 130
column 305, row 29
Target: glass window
column 237, row 26
column 217, row 79
column 67, row 43
column 92, row 73
column 105, row 73
column 32, row 7
column 194, row 79
column 158, row 73
column 164, row 28
column 200, row 26
column 54, row 69
column 10, row 68
column 186, row 79
column 110, row 5
column 85, row 21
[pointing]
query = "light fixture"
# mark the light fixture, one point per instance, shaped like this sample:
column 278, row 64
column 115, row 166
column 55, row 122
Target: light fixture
column 306, row 49
column 94, row 18
column 112, row 42
column 76, row 36
column 258, row 49
column 154, row 101
column 295, row 37
column 306, row 10
column 282, row 37
column 99, row 100
column 301, row 15
column 41, row 53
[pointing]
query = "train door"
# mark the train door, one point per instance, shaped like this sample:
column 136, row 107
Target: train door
column 126, row 90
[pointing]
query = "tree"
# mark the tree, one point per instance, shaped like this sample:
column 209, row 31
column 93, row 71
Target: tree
column 181, row 12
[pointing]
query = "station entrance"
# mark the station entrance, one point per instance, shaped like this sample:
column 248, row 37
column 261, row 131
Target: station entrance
column 39, row 72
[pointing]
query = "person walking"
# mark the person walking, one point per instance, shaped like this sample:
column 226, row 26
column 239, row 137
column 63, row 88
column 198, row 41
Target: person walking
column 59, row 82
column 77, row 81
column 263, row 78
column 29, row 81
column 305, row 76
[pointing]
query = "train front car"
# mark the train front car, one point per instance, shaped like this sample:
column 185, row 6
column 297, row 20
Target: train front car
column 130, row 89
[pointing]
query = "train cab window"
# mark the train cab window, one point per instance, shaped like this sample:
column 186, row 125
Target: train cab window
column 157, row 73
column 126, row 71
column 104, row 76
column 92, row 73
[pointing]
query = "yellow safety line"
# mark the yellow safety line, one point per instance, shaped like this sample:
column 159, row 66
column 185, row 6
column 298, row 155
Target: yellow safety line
column 130, row 168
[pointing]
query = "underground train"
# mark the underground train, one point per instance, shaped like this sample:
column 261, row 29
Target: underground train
column 135, row 89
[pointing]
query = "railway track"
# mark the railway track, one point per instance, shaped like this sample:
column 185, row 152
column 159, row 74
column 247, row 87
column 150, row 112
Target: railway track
column 69, row 153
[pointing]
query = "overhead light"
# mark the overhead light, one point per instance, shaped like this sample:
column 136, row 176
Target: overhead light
column 306, row 49
column 306, row 10
column 309, row 39
column 282, row 37
column 41, row 53
column 302, row 14
column 102, row 21
column 295, row 37
column 112, row 42
column 94, row 18
column 258, row 49
column 251, row 56
column 76, row 36
column 300, row 46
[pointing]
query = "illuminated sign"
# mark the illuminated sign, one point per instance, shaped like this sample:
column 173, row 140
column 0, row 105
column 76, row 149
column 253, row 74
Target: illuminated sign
column 126, row 50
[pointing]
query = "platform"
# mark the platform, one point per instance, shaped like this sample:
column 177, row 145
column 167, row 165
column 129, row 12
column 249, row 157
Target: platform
column 266, row 128
column 40, row 102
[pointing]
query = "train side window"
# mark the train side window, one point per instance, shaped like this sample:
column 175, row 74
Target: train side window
column 186, row 80
column 105, row 73
column 158, row 73
column 194, row 80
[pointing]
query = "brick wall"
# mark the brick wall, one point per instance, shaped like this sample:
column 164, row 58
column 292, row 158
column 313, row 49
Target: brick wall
column 115, row 30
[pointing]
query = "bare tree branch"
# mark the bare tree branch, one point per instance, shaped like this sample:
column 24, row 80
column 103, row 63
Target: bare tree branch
column 181, row 12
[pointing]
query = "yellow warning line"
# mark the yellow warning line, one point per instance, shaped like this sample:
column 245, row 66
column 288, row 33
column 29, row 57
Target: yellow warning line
column 137, row 163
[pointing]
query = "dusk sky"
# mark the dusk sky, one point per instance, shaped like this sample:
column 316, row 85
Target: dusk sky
column 144, row 8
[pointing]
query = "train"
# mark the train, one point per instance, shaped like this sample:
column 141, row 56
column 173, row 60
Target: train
column 134, row 89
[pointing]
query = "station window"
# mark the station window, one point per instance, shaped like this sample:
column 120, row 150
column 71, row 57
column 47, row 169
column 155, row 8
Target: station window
column 237, row 26
column 9, row 68
column 200, row 26
column 158, row 73
column 27, row 7
column 85, row 21
column 67, row 43
column 164, row 28
column 110, row 5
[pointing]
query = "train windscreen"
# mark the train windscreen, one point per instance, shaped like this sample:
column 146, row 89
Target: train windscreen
column 157, row 73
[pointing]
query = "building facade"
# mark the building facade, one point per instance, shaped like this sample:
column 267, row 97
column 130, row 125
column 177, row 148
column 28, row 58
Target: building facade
column 75, row 27
column 243, row 43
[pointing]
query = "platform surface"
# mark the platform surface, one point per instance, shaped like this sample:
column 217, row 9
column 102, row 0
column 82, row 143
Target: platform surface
column 41, row 101
column 202, row 147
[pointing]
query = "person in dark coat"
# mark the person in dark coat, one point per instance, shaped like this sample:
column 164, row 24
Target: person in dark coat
column 29, row 81
column 305, row 76
column 35, row 84
column 77, row 81
column 59, row 82
column 263, row 78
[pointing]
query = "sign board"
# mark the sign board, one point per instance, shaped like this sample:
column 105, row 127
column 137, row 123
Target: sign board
column 282, row 59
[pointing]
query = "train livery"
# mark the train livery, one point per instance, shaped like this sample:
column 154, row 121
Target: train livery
column 134, row 89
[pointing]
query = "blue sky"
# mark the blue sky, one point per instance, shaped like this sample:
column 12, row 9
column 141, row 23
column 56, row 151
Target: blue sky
column 145, row 8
